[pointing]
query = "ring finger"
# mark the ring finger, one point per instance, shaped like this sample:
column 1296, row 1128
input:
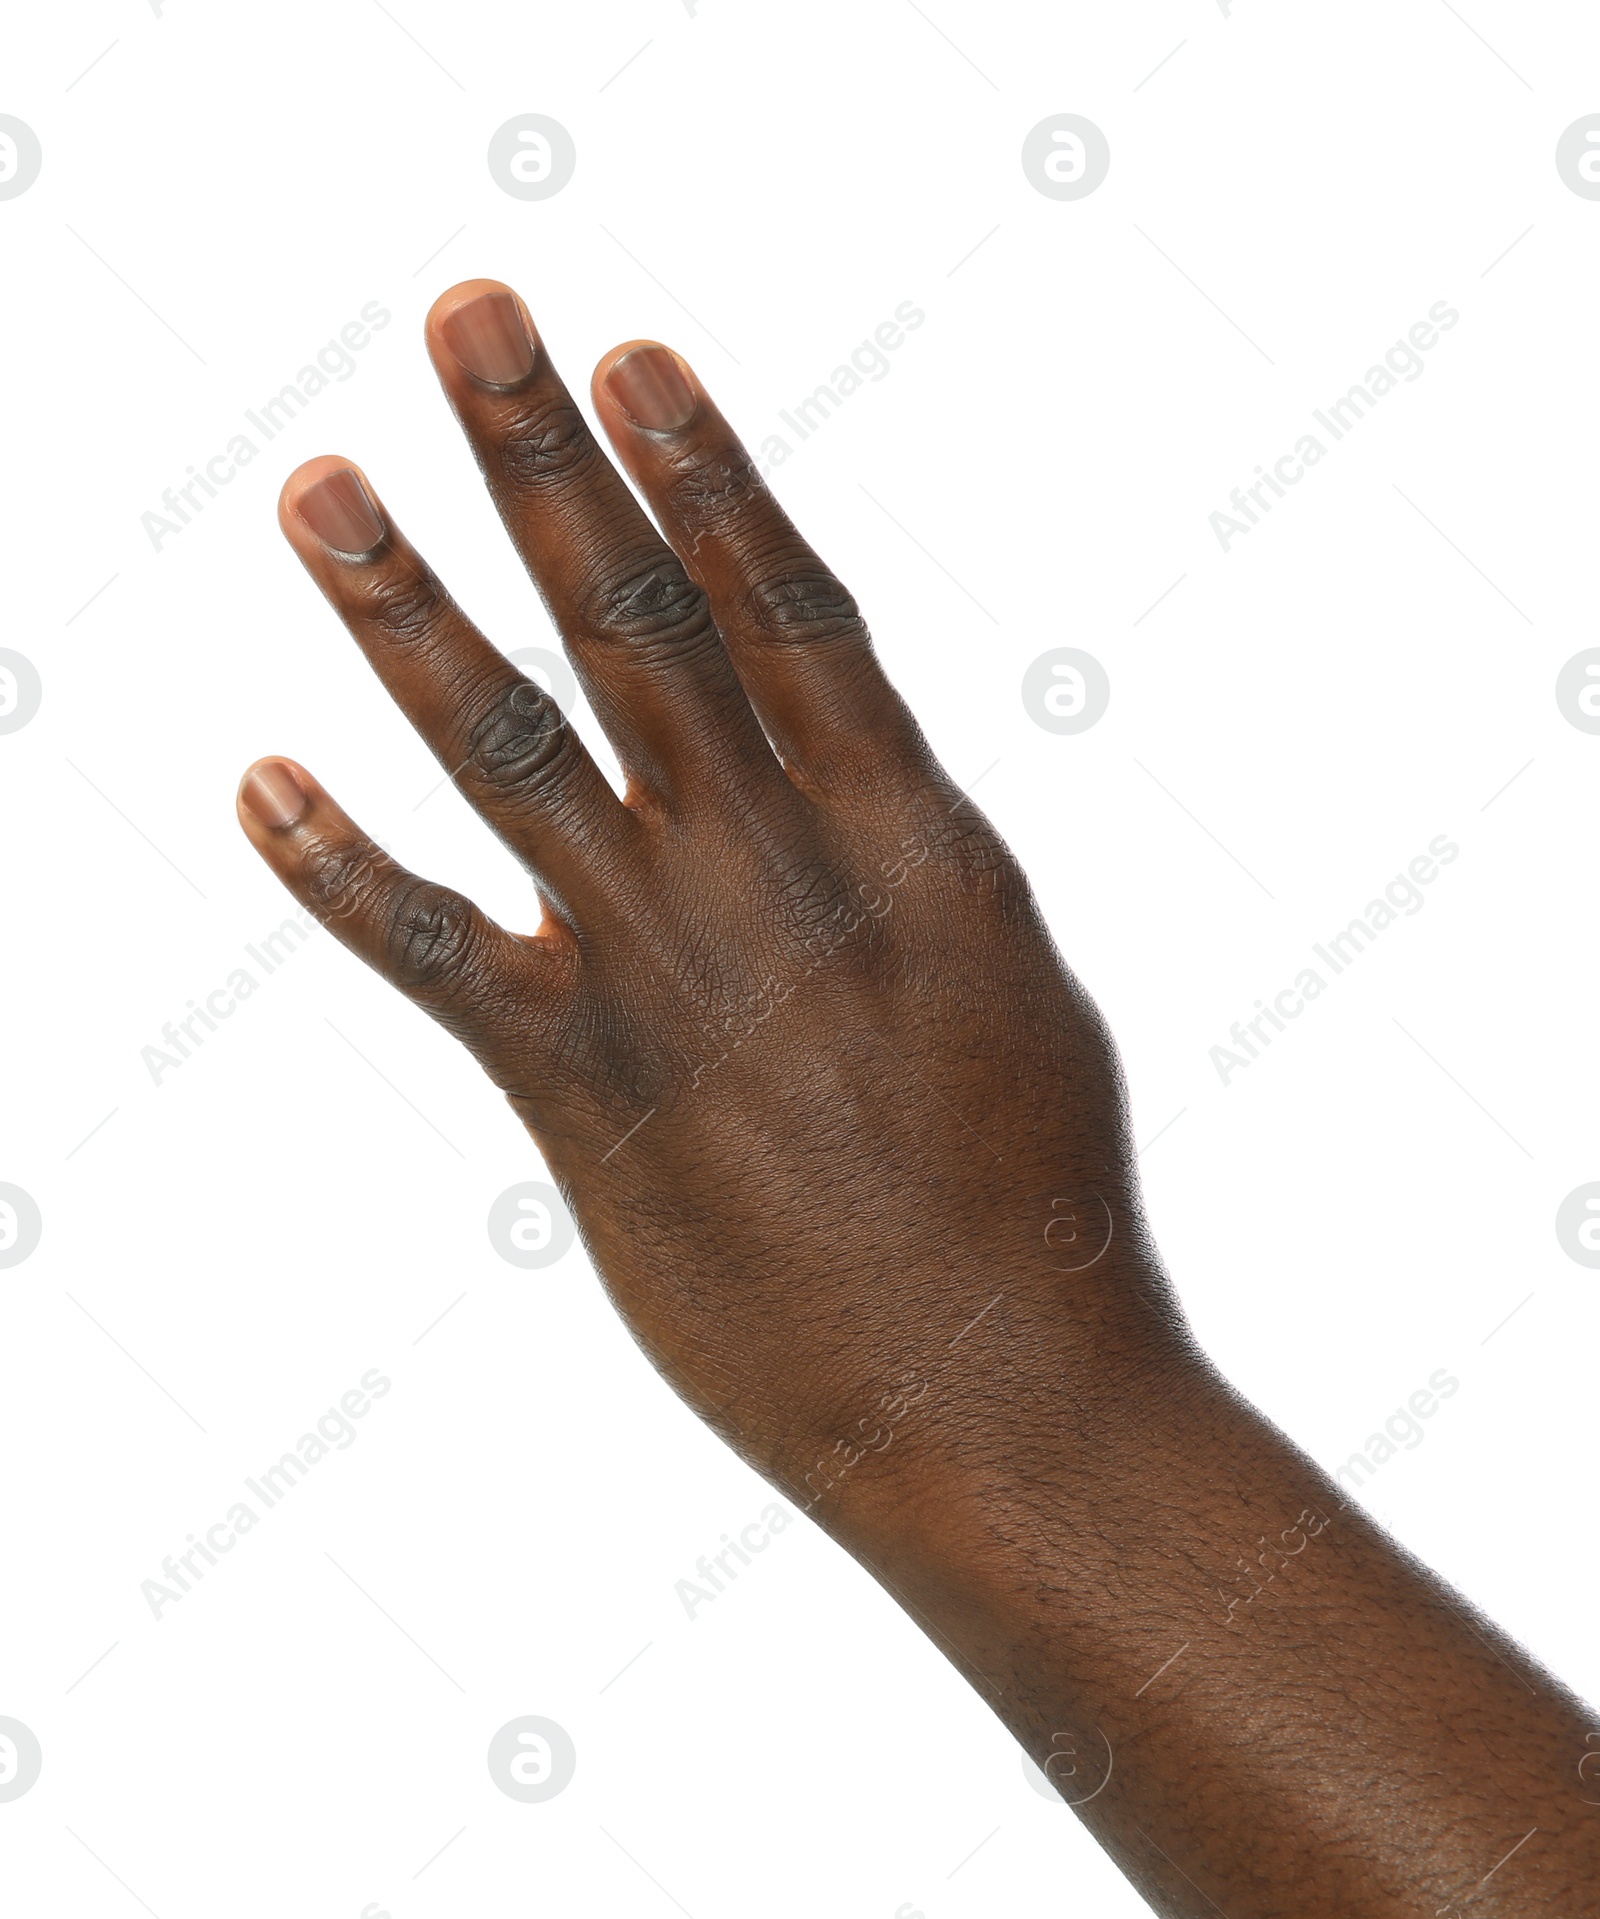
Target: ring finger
column 498, row 735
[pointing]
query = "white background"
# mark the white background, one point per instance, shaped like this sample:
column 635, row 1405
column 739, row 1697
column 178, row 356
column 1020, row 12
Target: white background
column 1290, row 726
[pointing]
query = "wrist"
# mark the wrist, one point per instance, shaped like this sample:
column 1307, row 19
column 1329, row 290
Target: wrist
column 1031, row 1428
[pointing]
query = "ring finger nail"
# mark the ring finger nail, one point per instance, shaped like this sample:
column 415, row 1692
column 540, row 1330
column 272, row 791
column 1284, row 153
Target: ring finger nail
column 342, row 514
column 649, row 386
column 490, row 338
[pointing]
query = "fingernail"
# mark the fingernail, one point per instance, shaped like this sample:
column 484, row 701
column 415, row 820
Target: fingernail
column 649, row 385
column 490, row 338
column 274, row 795
column 341, row 513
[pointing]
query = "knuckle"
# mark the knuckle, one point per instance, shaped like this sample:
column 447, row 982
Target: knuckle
column 522, row 743
column 652, row 602
column 545, row 442
column 704, row 485
column 403, row 607
column 807, row 609
column 338, row 874
column 432, row 941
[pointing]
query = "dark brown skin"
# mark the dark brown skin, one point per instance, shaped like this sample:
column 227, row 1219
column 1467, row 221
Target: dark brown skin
column 849, row 1147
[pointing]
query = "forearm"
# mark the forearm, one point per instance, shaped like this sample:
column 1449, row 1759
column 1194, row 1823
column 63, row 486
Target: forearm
column 1257, row 1702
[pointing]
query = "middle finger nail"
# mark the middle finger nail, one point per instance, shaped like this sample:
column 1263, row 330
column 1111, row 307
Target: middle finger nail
column 649, row 385
column 490, row 338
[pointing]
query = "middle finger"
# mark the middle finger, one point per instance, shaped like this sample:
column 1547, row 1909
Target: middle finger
column 639, row 630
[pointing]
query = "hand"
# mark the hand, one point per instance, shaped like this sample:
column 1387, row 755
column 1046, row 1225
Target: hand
column 849, row 1146
column 791, row 1035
